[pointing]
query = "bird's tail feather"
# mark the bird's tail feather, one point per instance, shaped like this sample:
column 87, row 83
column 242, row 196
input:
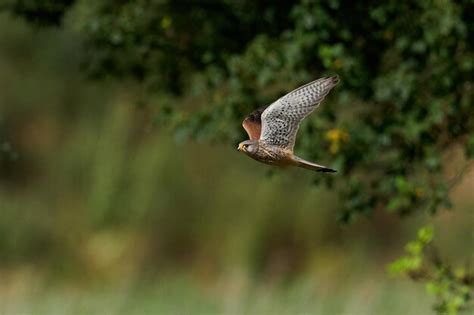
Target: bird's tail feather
column 312, row 166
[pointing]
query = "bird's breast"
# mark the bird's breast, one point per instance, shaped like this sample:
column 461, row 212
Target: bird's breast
column 273, row 155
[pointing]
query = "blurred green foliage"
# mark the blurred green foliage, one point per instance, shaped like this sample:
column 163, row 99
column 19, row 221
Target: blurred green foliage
column 406, row 68
column 452, row 287
column 406, row 98
column 46, row 12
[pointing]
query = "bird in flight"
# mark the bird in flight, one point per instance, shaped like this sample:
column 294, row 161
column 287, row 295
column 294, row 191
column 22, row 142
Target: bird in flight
column 272, row 130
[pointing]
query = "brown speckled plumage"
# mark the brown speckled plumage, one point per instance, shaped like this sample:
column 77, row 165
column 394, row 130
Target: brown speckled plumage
column 272, row 130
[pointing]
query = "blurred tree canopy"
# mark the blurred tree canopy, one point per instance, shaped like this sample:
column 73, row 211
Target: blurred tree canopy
column 405, row 101
column 406, row 69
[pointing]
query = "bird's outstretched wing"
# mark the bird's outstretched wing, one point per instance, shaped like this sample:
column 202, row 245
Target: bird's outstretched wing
column 281, row 120
column 253, row 123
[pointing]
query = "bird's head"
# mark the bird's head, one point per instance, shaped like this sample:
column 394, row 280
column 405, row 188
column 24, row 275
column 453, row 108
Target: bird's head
column 248, row 147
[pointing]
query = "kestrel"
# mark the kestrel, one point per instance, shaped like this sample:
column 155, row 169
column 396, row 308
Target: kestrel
column 272, row 130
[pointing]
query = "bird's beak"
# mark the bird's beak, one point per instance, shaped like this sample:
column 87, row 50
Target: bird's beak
column 240, row 147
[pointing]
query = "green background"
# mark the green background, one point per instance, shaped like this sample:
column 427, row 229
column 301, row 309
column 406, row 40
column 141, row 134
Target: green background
column 126, row 194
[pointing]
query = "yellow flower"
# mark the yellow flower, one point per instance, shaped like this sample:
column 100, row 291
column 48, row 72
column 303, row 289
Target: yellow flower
column 336, row 137
column 419, row 192
column 337, row 64
column 165, row 22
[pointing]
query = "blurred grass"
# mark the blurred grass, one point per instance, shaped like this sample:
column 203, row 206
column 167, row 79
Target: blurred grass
column 181, row 295
column 102, row 212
